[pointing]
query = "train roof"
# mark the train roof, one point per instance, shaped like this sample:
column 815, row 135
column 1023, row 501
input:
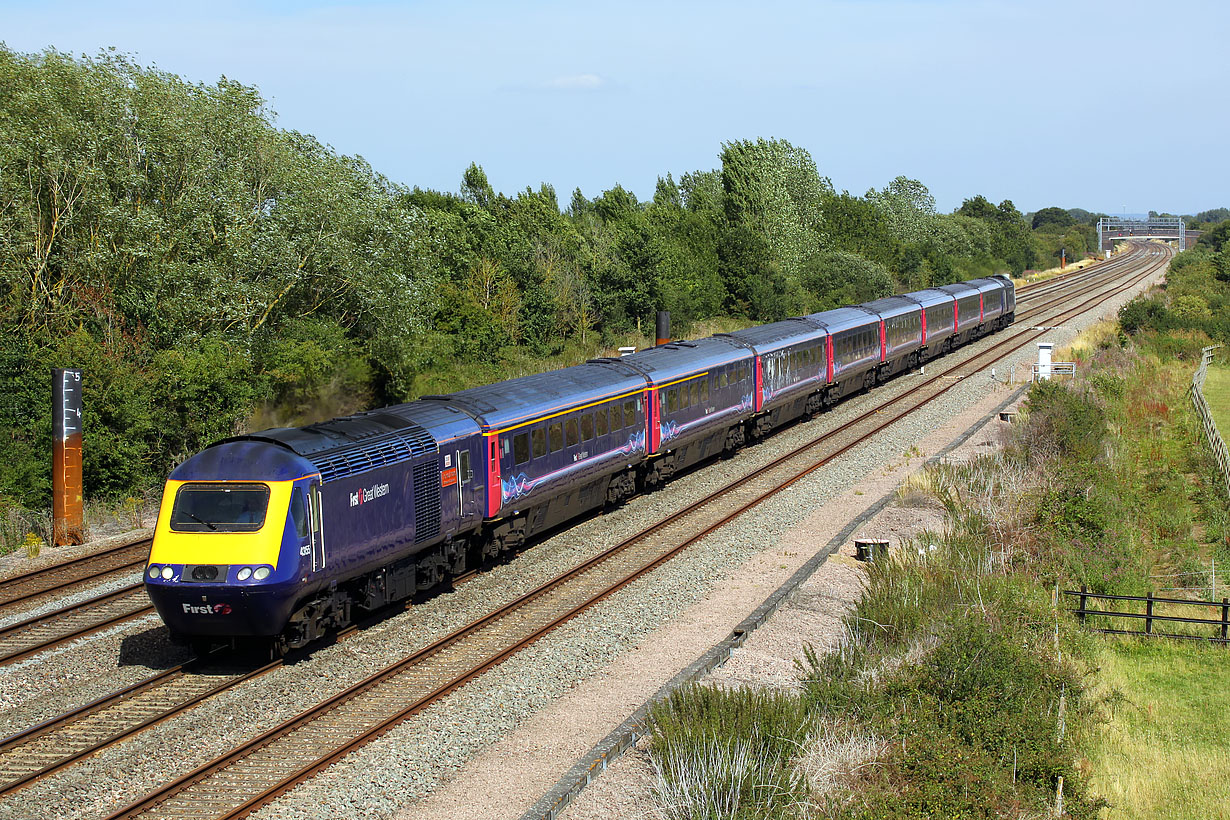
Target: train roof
column 961, row 290
column 775, row 336
column 244, row 460
column 891, row 306
column 990, row 283
column 352, row 444
column 930, row 297
column 845, row 318
column 513, row 402
column 673, row 360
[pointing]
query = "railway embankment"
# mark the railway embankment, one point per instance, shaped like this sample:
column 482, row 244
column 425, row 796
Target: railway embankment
column 958, row 685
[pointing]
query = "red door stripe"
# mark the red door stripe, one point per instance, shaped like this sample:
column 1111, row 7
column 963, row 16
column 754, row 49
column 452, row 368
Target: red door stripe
column 494, row 498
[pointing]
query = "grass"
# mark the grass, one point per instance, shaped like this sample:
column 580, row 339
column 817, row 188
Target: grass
column 1091, row 339
column 1165, row 751
column 1217, row 392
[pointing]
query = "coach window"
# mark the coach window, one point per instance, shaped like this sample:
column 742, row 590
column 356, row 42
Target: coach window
column 603, row 426
column 587, row 426
column 695, row 392
column 629, row 413
column 539, row 436
column 683, row 397
column 555, row 434
column 570, row 430
column 672, row 399
column 521, row 448
column 704, row 390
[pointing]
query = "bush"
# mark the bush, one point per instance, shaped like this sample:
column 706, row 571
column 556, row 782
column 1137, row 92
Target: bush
column 1064, row 422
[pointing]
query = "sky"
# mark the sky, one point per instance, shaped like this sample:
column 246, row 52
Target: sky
column 1108, row 106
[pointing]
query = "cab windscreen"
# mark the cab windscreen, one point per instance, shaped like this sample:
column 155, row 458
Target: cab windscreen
column 220, row 508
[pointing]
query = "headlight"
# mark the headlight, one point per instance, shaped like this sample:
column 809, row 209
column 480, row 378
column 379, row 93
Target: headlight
column 153, row 571
column 167, row 573
column 261, row 573
column 244, row 574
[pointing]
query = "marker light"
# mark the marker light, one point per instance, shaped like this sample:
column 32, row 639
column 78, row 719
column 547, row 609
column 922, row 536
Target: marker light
column 261, row 573
column 167, row 573
column 244, row 574
column 153, row 571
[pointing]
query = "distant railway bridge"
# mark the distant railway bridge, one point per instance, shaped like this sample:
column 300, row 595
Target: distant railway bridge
column 1113, row 229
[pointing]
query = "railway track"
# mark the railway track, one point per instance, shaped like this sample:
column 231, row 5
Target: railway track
column 57, row 743
column 28, row 637
column 273, row 763
column 62, row 578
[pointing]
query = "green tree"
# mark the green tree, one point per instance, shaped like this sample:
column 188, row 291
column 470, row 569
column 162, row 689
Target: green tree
column 1052, row 219
column 773, row 188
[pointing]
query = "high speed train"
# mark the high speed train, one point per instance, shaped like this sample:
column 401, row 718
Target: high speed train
column 285, row 534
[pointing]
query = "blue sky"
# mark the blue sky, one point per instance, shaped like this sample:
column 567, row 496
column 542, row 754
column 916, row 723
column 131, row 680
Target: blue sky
column 1017, row 100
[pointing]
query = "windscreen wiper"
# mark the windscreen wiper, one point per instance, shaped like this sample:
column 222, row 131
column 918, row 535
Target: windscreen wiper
column 200, row 520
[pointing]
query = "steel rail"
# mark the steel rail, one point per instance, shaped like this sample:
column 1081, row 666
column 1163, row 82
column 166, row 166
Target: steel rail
column 34, row 583
column 31, row 636
column 299, row 729
column 57, row 743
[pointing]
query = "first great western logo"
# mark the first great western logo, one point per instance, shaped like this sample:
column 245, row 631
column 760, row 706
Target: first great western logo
column 368, row 494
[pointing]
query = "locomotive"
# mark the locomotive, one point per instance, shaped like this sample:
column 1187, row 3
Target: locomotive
column 282, row 535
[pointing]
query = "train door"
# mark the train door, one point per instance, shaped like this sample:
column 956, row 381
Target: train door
column 655, row 398
column 466, row 505
column 316, row 528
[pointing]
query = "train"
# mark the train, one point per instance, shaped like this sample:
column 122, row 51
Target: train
column 284, row 535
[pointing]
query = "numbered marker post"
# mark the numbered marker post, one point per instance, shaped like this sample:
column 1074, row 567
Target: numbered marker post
column 66, row 499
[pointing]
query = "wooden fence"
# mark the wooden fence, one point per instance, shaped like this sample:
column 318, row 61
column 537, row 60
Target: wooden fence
column 1211, row 434
column 1150, row 617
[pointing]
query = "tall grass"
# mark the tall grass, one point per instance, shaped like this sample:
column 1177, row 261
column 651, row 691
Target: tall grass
column 721, row 754
column 1164, row 748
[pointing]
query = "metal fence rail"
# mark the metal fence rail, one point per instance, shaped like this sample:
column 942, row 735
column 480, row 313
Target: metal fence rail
column 1211, row 434
column 1149, row 617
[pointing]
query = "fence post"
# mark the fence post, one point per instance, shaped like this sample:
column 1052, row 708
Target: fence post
column 1225, row 616
column 1211, row 434
column 1149, row 614
column 1081, row 613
